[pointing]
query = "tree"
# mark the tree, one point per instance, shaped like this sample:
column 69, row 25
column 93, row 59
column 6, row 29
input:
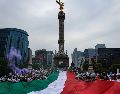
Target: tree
column 85, row 66
column 4, row 69
column 114, row 67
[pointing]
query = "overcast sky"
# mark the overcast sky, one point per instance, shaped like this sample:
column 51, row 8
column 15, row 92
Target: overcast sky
column 87, row 23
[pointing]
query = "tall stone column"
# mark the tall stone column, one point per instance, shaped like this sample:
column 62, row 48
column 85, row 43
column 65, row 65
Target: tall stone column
column 61, row 17
column 61, row 59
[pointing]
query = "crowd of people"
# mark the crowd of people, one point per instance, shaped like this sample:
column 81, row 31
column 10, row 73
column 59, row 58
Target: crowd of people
column 33, row 75
column 85, row 76
column 92, row 76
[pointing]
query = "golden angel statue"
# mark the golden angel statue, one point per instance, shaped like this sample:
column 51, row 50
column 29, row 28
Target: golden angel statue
column 61, row 5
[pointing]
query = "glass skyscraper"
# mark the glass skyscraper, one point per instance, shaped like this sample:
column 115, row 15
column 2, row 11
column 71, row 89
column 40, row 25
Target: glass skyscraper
column 13, row 37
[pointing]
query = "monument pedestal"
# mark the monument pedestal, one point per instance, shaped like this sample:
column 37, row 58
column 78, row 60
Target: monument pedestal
column 61, row 61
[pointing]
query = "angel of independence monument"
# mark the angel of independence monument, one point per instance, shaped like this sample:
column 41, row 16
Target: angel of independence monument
column 61, row 59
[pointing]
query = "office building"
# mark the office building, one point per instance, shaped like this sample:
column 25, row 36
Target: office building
column 13, row 37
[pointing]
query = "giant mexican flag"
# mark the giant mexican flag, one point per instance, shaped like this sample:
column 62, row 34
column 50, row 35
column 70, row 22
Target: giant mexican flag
column 61, row 82
column 67, row 84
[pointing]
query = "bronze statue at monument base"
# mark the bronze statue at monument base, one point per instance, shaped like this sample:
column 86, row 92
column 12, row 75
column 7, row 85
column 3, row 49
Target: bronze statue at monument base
column 61, row 61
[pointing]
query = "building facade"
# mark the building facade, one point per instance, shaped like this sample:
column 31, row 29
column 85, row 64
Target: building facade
column 77, row 57
column 49, row 58
column 108, row 56
column 13, row 37
column 43, row 58
column 100, row 46
column 99, row 59
column 90, row 55
column 29, row 58
column 97, row 47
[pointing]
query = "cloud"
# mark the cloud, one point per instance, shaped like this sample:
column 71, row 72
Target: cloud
column 87, row 22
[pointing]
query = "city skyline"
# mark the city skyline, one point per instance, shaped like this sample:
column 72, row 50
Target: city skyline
column 87, row 23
